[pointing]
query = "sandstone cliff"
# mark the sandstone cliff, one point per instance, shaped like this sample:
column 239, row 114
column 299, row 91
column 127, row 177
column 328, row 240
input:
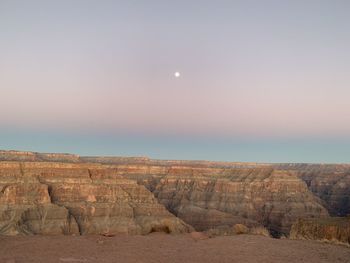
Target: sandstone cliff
column 330, row 182
column 69, row 194
column 58, row 198
column 208, row 198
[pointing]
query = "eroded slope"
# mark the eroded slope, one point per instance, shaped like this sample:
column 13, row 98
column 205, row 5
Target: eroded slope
column 57, row 198
column 64, row 193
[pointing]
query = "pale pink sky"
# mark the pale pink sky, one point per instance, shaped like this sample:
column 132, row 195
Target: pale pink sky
column 252, row 69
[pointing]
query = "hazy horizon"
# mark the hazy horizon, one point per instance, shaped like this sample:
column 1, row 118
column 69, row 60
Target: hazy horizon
column 261, row 81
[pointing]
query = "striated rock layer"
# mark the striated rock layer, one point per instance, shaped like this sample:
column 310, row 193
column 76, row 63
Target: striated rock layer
column 58, row 198
column 214, row 197
column 330, row 182
column 69, row 194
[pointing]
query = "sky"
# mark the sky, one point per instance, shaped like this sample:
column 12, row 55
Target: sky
column 264, row 81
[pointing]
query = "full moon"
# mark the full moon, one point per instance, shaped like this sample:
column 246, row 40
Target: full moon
column 177, row 74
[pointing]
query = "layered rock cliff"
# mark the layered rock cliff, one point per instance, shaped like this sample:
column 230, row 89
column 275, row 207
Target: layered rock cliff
column 58, row 198
column 330, row 182
column 214, row 197
column 69, row 194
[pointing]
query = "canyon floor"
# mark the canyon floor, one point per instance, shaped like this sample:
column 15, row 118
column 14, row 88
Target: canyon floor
column 159, row 247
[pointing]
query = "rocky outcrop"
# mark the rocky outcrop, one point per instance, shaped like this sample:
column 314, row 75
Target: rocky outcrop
column 330, row 182
column 334, row 229
column 26, row 208
column 58, row 198
column 139, row 195
column 209, row 198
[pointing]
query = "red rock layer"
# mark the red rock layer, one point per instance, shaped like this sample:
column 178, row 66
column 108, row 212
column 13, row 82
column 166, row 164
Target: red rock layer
column 58, row 198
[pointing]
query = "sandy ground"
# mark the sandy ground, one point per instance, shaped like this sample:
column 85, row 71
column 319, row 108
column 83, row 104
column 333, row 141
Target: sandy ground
column 159, row 247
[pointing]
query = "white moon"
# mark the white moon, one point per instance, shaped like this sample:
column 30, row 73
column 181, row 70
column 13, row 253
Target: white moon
column 177, row 74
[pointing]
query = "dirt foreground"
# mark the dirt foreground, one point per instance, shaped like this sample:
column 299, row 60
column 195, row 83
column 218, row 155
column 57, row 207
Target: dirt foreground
column 160, row 247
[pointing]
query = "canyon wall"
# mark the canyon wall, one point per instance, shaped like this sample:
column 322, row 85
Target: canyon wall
column 330, row 182
column 61, row 198
column 215, row 197
column 69, row 194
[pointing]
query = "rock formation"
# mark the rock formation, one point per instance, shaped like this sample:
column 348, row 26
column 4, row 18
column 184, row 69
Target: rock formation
column 330, row 182
column 211, row 197
column 59, row 198
column 69, row 194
